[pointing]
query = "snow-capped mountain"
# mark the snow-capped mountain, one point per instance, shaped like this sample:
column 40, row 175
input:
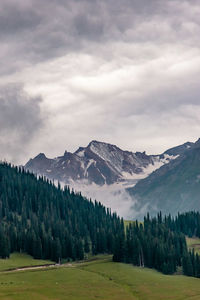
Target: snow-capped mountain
column 103, row 171
column 99, row 163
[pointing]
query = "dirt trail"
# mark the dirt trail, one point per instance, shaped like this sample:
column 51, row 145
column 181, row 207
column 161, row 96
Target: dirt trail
column 38, row 267
column 65, row 265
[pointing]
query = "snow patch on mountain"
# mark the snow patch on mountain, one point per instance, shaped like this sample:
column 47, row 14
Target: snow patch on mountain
column 131, row 179
column 80, row 153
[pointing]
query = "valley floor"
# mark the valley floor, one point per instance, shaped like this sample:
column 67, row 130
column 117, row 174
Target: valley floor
column 98, row 278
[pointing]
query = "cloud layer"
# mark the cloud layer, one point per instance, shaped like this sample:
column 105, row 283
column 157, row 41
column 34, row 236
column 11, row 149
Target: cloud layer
column 20, row 121
column 122, row 71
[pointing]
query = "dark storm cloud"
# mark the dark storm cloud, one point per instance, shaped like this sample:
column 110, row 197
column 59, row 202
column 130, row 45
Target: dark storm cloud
column 34, row 31
column 16, row 20
column 20, row 120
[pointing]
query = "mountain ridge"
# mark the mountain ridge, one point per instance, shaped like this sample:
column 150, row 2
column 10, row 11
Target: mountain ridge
column 173, row 188
column 105, row 172
column 99, row 163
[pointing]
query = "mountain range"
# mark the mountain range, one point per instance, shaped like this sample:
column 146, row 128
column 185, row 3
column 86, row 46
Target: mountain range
column 130, row 183
column 102, row 164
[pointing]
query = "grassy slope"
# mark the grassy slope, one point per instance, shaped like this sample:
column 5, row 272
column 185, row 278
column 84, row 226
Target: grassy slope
column 17, row 260
column 127, row 222
column 193, row 243
column 98, row 279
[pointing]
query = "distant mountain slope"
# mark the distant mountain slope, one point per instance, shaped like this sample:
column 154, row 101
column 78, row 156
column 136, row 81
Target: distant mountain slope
column 178, row 150
column 99, row 163
column 173, row 188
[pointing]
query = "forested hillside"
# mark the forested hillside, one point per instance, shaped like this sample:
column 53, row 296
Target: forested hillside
column 160, row 243
column 48, row 222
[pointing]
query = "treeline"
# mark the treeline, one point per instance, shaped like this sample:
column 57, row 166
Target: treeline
column 157, row 243
column 48, row 222
column 152, row 245
column 187, row 223
column 191, row 264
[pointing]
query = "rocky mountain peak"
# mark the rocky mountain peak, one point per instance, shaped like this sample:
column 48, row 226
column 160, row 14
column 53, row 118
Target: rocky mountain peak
column 101, row 163
column 41, row 156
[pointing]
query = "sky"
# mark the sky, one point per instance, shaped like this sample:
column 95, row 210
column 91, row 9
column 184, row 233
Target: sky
column 119, row 71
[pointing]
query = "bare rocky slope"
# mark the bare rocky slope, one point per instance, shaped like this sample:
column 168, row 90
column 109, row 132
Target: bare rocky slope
column 100, row 163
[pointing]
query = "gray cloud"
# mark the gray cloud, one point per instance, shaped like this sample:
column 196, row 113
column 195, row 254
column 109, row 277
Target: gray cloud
column 123, row 71
column 20, row 120
column 34, row 31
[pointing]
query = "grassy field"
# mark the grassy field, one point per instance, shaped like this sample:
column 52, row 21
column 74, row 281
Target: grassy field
column 18, row 260
column 193, row 243
column 127, row 222
column 96, row 279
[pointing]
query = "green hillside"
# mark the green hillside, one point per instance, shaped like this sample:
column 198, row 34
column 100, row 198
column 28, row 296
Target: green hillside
column 98, row 279
column 19, row 260
column 173, row 188
column 193, row 243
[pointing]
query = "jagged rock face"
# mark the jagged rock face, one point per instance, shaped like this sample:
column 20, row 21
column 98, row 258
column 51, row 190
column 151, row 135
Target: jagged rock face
column 99, row 163
column 109, row 162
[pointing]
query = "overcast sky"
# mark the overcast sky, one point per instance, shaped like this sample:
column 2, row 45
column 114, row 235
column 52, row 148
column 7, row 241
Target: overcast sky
column 121, row 71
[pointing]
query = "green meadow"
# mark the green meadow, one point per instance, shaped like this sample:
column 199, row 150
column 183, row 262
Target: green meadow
column 19, row 260
column 193, row 243
column 127, row 222
column 98, row 278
